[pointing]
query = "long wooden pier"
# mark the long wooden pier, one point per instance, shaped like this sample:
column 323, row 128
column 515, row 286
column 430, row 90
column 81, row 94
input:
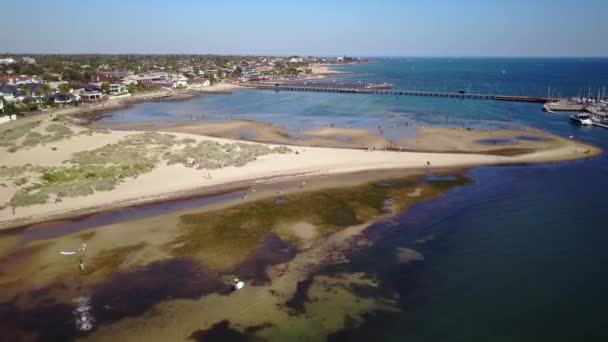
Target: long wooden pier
column 382, row 89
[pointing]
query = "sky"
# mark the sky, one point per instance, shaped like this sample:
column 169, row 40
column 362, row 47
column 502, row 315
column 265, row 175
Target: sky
column 311, row 27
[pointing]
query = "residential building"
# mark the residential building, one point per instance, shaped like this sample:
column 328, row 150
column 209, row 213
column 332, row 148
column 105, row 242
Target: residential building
column 9, row 92
column 60, row 98
column 198, row 83
column 6, row 61
column 151, row 77
column 17, row 80
column 91, row 96
column 117, row 88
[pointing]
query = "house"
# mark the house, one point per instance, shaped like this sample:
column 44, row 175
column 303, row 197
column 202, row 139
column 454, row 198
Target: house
column 60, row 98
column 113, row 75
column 295, row 60
column 166, row 84
column 117, row 88
column 29, row 91
column 91, row 96
column 7, row 61
column 9, row 92
column 198, row 83
column 340, row 59
column 17, row 80
column 151, row 77
column 179, row 80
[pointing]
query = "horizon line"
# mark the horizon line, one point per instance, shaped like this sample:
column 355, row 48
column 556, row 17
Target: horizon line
column 292, row 54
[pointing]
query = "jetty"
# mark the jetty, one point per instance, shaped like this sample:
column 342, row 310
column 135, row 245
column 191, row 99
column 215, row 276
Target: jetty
column 352, row 87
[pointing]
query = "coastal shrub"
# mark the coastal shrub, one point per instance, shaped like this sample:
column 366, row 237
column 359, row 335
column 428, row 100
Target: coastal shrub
column 282, row 150
column 8, row 137
column 21, row 181
column 187, row 141
column 32, row 139
column 58, row 129
column 13, row 149
column 13, row 171
column 213, row 155
column 59, row 132
column 24, row 199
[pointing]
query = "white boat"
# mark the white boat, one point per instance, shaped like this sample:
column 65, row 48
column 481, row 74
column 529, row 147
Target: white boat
column 547, row 108
column 582, row 119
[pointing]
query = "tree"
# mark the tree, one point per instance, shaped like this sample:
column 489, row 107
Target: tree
column 105, row 86
column 211, row 79
column 64, row 88
column 237, row 72
column 46, row 90
column 25, row 89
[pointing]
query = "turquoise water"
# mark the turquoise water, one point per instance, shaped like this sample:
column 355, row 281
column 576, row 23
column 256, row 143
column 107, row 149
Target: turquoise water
column 519, row 255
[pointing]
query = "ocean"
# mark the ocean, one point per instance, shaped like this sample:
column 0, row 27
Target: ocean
column 519, row 255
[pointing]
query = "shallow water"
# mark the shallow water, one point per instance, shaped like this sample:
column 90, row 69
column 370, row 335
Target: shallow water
column 141, row 261
column 497, row 141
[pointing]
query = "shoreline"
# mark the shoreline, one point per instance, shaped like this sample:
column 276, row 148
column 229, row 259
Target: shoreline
column 388, row 162
column 264, row 186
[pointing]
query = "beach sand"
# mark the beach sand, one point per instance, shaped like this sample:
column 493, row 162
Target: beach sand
column 169, row 181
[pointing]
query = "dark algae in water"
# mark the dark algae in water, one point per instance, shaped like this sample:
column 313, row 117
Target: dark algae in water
column 193, row 259
column 224, row 238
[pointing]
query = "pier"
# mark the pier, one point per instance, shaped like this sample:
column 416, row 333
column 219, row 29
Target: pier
column 381, row 89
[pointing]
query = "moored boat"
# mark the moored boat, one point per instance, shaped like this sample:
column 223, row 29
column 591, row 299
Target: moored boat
column 582, row 119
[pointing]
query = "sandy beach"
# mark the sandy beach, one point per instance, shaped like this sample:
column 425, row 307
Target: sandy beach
column 441, row 148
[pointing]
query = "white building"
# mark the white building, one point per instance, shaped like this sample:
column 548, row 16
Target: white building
column 198, row 83
column 116, row 88
column 28, row 60
column 7, row 61
column 151, row 77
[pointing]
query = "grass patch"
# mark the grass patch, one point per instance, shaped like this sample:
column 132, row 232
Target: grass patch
column 58, row 129
column 187, row 141
column 13, row 171
column 9, row 137
column 213, row 155
column 102, row 169
column 21, row 181
column 58, row 132
column 24, row 198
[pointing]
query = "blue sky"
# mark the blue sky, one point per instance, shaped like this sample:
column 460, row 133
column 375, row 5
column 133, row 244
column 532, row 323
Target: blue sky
column 361, row 28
